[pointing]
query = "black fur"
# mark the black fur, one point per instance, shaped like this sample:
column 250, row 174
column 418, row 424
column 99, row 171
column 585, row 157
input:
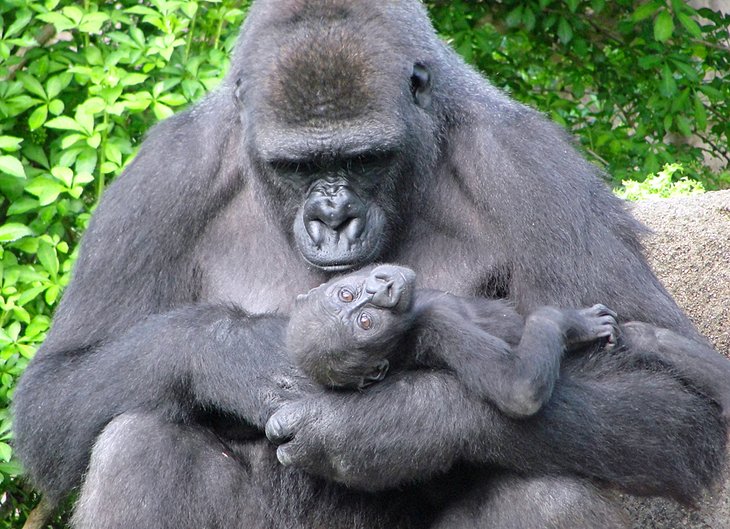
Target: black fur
column 153, row 388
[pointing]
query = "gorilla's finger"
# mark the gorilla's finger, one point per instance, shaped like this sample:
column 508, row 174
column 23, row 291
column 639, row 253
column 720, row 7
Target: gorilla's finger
column 283, row 425
column 285, row 455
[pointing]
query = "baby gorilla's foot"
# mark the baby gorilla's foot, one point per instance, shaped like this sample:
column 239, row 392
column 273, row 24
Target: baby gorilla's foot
column 596, row 323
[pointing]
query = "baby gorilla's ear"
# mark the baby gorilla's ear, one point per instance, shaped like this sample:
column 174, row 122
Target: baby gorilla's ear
column 376, row 375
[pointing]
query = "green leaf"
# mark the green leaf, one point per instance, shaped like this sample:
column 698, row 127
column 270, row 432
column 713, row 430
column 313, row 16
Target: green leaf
column 86, row 161
column 161, row 111
column 38, row 117
column 93, row 56
column 56, row 107
column 598, row 5
column 12, row 166
column 10, row 143
column 700, row 113
column 12, row 231
column 528, row 19
column 92, row 22
column 514, row 17
column 74, row 13
column 668, row 123
column 52, row 294
column 83, row 178
column 20, row 314
column 32, row 85
column 57, row 83
column 85, row 120
column 48, row 258
column 64, row 174
column 690, row 25
column 667, row 86
column 132, row 79
column 22, row 18
column 683, row 125
column 29, row 295
column 45, row 189
column 649, row 61
column 64, row 123
column 565, row 32
column 22, row 205
column 38, row 325
column 687, row 69
column 94, row 140
column 712, row 92
column 663, row 26
column 173, row 99
column 645, row 11
column 5, row 451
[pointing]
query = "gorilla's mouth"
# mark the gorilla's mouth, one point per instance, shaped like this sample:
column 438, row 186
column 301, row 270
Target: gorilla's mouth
column 337, row 250
column 356, row 261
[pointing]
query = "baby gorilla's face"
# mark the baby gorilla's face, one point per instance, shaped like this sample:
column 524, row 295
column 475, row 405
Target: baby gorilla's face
column 343, row 332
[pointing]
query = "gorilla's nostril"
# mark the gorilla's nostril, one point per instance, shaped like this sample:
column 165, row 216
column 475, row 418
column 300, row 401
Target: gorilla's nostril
column 354, row 228
column 314, row 229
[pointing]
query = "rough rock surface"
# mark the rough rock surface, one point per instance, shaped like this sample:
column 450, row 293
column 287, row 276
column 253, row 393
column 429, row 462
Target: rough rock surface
column 690, row 252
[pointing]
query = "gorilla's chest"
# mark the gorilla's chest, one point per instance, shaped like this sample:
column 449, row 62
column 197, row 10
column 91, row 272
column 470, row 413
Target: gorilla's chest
column 244, row 259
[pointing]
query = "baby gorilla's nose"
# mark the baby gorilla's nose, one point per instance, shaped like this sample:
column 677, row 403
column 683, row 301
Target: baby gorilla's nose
column 390, row 286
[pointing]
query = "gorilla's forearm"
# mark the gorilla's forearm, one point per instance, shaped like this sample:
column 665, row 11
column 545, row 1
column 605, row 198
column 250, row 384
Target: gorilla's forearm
column 182, row 364
column 638, row 431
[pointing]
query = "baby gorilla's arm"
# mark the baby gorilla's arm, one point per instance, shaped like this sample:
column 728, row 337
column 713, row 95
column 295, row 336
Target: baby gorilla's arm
column 517, row 380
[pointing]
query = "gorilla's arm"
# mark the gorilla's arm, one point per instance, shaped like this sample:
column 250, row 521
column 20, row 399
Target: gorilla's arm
column 185, row 365
column 636, row 430
column 562, row 238
column 119, row 340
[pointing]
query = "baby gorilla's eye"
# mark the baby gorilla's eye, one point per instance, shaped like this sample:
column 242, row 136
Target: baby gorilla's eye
column 365, row 321
column 346, row 295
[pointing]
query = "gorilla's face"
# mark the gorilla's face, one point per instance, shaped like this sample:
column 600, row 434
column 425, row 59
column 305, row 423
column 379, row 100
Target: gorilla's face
column 337, row 134
column 343, row 333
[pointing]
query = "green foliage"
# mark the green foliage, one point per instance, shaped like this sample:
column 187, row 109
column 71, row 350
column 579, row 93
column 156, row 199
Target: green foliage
column 79, row 85
column 81, row 81
column 663, row 184
column 633, row 80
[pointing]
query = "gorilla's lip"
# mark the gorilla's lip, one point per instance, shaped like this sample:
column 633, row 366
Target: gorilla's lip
column 343, row 266
column 335, row 267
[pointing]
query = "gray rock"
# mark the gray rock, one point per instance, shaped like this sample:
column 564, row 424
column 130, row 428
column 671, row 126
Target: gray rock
column 690, row 252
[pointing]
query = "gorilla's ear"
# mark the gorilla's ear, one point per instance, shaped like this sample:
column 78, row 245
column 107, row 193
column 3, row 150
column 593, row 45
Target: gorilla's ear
column 421, row 85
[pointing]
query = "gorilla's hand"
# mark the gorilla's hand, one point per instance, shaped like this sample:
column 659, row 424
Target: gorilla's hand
column 404, row 429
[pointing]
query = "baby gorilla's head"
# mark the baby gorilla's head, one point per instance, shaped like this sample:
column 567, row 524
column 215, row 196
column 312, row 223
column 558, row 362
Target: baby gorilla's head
column 343, row 333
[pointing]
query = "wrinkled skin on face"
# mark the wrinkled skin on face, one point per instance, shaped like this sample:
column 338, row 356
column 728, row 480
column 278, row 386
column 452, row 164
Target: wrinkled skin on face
column 342, row 131
column 343, row 332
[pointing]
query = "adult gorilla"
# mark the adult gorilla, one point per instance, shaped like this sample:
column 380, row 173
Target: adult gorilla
column 346, row 133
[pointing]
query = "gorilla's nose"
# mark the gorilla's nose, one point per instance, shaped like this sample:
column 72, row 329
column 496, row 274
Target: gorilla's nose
column 391, row 286
column 336, row 206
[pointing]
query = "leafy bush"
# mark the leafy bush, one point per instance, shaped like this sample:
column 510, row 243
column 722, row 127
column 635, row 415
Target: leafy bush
column 664, row 184
column 640, row 84
column 72, row 113
column 80, row 82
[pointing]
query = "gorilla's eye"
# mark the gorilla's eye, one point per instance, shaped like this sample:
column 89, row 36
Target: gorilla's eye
column 421, row 85
column 365, row 321
column 346, row 295
column 293, row 167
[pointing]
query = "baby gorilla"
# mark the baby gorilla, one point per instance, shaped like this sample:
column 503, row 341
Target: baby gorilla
column 346, row 333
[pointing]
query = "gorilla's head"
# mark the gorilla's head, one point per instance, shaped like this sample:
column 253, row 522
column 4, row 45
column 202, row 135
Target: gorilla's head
column 339, row 123
column 344, row 333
